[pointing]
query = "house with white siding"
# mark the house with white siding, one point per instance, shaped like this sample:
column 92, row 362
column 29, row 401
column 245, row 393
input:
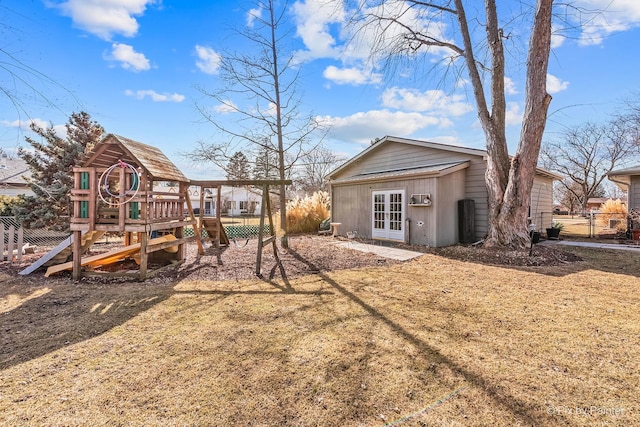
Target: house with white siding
column 14, row 173
column 421, row 192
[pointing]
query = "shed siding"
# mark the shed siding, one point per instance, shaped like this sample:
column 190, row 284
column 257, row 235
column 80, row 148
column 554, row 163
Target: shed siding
column 351, row 206
column 392, row 156
column 476, row 189
column 542, row 202
column 634, row 192
column 451, row 188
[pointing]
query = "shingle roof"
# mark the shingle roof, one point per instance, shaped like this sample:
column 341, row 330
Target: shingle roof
column 13, row 170
column 115, row 147
column 428, row 170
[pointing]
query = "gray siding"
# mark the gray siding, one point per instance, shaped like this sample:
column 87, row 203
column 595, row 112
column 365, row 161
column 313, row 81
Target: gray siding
column 634, row 193
column 476, row 189
column 451, row 188
column 392, row 156
column 542, row 202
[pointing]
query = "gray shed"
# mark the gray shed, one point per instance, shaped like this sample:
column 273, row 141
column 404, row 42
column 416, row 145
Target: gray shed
column 408, row 190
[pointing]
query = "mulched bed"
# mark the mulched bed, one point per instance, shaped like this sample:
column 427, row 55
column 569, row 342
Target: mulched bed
column 541, row 256
column 306, row 255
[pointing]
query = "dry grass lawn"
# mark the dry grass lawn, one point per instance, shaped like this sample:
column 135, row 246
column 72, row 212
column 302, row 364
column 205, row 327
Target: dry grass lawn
column 430, row 342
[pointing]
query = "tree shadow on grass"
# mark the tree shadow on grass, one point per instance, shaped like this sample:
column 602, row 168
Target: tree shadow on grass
column 531, row 415
column 70, row 312
column 41, row 316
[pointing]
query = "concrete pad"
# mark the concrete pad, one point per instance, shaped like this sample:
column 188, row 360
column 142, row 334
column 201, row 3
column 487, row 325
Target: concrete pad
column 383, row 251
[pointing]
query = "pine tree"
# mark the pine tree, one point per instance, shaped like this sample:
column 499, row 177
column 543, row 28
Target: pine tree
column 266, row 164
column 238, row 167
column 51, row 164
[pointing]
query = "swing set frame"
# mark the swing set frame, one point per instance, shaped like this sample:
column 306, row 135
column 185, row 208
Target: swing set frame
column 265, row 212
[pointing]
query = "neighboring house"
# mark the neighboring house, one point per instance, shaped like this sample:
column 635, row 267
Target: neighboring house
column 236, row 201
column 13, row 171
column 408, row 190
column 628, row 180
column 594, row 203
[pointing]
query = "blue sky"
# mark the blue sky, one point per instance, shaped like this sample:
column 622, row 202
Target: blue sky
column 135, row 66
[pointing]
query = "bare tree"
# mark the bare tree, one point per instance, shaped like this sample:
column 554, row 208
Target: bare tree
column 509, row 179
column 314, row 168
column 586, row 154
column 268, row 79
column 19, row 81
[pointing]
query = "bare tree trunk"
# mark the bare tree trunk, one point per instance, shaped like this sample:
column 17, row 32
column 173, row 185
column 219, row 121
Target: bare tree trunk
column 509, row 181
column 509, row 227
column 281, row 166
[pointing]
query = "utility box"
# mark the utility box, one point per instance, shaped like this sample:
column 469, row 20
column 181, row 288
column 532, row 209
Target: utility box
column 466, row 221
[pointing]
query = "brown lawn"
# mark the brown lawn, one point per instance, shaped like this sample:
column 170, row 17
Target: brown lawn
column 430, row 342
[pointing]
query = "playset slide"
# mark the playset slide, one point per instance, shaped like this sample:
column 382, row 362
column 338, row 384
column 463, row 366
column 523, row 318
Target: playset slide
column 110, row 257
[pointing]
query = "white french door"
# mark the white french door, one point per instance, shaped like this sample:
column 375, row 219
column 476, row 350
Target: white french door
column 388, row 215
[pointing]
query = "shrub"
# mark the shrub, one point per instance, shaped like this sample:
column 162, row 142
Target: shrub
column 305, row 215
column 613, row 209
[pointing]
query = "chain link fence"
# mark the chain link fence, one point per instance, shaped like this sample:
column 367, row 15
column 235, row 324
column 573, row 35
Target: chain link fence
column 597, row 225
column 33, row 236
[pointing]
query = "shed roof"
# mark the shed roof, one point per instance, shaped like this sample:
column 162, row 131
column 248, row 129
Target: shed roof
column 427, row 144
column 426, row 171
column 113, row 148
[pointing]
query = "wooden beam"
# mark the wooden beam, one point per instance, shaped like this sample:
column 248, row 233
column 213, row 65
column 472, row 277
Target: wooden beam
column 196, row 228
column 238, row 182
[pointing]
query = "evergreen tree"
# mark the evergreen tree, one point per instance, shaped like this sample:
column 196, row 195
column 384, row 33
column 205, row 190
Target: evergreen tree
column 51, row 163
column 238, row 167
column 266, row 164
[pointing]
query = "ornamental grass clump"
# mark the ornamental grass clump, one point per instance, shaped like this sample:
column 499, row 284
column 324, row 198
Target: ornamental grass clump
column 613, row 210
column 304, row 215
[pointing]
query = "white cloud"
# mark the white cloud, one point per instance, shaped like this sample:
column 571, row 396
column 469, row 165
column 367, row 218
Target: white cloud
column 557, row 38
column 364, row 126
column 555, row 85
column 25, row 125
column 252, row 15
column 435, row 101
column 513, row 115
column 226, row 108
column 105, row 18
column 352, row 76
column 155, row 96
column 607, row 17
column 128, row 58
column 510, row 86
column 208, row 60
column 313, row 20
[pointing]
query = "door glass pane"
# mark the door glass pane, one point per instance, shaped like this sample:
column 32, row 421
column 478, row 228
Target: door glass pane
column 378, row 211
column 395, row 211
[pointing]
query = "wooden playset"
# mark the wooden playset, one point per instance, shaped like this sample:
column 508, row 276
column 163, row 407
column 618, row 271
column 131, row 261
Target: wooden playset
column 116, row 189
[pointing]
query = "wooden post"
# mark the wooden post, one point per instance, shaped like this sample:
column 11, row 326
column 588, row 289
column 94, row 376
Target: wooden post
column 218, row 214
column 265, row 208
column 197, row 230
column 122, row 208
column 77, row 249
column 144, row 256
